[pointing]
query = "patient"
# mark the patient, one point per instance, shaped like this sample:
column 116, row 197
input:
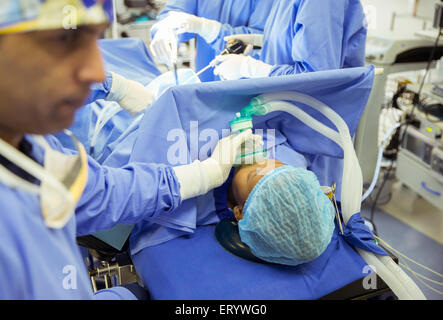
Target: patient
column 283, row 215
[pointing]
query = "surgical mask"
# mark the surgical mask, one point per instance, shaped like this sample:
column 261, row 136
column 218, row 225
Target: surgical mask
column 63, row 179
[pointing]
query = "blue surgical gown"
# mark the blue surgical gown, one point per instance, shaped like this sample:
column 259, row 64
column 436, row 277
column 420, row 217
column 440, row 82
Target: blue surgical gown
column 236, row 16
column 42, row 263
column 314, row 35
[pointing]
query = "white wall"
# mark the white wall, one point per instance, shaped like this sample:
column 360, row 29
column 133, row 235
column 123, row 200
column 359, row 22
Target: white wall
column 380, row 12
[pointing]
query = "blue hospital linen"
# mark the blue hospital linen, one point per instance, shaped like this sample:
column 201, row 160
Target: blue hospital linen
column 197, row 267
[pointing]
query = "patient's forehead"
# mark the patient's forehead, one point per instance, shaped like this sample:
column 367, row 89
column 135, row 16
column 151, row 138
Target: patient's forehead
column 247, row 176
column 261, row 167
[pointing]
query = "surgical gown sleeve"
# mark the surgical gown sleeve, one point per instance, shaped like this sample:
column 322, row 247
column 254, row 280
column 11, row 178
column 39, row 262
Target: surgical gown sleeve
column 124, row 195
column 318, row 33
column 100, row 90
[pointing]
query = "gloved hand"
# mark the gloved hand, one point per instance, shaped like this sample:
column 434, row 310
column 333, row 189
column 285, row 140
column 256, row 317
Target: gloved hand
column 129, row 94
column 198, row 177
column 164, row 44
column 235, row 66
column 208, row 29
column 251, row 40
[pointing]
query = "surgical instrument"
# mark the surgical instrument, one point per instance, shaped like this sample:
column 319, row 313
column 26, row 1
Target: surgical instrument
column 233, row 46
column 330, row 193
column 175, row 74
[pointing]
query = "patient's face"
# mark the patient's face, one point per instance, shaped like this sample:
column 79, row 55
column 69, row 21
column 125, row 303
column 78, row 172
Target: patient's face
column 245, row 179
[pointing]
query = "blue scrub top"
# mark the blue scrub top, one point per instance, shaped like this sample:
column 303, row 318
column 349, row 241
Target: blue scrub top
column 314, row 35
column 236, row 16
column 38, row 262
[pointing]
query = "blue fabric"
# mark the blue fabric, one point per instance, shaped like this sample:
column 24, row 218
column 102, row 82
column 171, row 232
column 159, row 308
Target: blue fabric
column 116, row 293
column 139, row 292
column 129, row 58
column 357, row 233
column 236, row 16
column 213, row 105
column 197, row 267
column 42, row 263
column 287, row 219
column 100, row 90
column 312, row 35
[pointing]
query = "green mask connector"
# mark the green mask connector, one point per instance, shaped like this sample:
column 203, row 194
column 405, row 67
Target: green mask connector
column 254, row 109
column 257, row 102
column 241, row 123
column 243, row 119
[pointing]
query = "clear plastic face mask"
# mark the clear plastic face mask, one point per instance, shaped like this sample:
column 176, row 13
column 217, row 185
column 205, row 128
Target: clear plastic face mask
column 252, row 152
column 251, row 158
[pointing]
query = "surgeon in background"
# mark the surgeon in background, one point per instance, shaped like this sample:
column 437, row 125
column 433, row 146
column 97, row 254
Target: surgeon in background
column 304, row 36
column 48, row 194
column 211, row 21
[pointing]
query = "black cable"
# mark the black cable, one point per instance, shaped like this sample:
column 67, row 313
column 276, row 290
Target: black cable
column 416, row 102
column 431, row 57
column 380, row 189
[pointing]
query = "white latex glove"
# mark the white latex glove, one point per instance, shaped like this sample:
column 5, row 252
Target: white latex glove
column 198, row 177
column 235, row 66
column 130, row 95
column 208, row 29
column 251, row 40
column 164, row 44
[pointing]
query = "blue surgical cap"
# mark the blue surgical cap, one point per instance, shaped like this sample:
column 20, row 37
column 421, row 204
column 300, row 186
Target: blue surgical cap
column 33, row 15
column 287, row 219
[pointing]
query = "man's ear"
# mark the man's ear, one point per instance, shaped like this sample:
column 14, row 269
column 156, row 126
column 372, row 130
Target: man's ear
column 238, row 212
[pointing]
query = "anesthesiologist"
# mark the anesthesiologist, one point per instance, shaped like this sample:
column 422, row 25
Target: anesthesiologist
column 304, row 36
column 211, row 21
column 50, row 195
